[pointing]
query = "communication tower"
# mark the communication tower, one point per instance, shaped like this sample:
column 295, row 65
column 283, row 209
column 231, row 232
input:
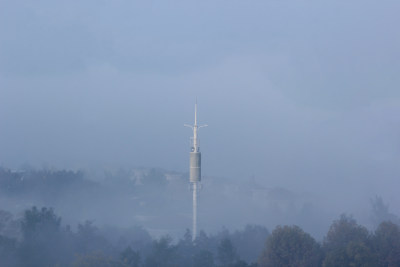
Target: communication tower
column 195, row 167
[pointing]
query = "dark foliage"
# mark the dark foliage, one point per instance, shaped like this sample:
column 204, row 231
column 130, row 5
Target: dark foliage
column 250, row 241
column 40, row 239
column 348, row 244
column 8, row 252
column 226, row 252
column 96, row 259
column 130, row 258
column 203, row 258
column 163, row 253
column 44, row 242
column 386, row 244
column 45, row 183
column 380, row 212
column 290, row 246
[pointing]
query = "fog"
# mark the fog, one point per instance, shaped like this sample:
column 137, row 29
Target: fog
column 301, row 98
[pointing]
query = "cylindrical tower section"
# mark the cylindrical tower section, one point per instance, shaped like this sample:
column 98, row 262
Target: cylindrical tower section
column 195, row 167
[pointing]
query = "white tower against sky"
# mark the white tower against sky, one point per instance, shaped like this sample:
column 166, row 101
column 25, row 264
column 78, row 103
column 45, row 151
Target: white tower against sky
column 195, row 168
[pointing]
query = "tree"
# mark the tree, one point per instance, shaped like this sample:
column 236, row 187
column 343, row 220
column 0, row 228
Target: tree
column 155, row 179
column 202, row 241
column 290, row 246
column 386, row 242
column 8, row 249
column 88, row 239
column 226, row 252
column 95, row 259
column 8, row 226
column 250, row 241
column 185, row 248
column 380, row 212
column 130, row 258
column 347, row 244
column 5, row 218
column 35, row 222
column 43, row 239
column 163, row 253
column 203, row 258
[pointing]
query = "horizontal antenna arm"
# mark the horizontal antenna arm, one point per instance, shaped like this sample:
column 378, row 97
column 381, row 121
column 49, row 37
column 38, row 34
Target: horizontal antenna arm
column 187, row 125
column 205, row 125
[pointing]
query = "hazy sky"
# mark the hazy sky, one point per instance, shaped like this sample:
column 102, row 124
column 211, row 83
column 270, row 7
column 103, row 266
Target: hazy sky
column 294, row 92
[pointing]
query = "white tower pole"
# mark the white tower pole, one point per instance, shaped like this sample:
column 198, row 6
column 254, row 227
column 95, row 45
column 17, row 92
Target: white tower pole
column 195, row 168
column 195, row 128
column 194, row 235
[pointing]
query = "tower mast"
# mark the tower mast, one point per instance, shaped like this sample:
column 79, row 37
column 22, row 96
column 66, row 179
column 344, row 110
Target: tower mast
column 195, row 168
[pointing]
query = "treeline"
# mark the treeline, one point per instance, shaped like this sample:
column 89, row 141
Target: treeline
column 49, row 185
column 346, row 244
column 78, row 195
column 42, row 240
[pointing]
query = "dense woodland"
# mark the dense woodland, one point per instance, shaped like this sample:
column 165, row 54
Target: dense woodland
column 40, row 237
column 42, row 240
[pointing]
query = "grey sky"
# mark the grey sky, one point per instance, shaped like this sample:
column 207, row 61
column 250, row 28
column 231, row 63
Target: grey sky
column 295, row 92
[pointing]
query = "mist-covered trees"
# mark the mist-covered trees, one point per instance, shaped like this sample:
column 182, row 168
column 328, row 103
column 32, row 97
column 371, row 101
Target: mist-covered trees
column 226, row 252
column 44, row 241
column 163, row 253
column 203, row 258
column 250, row 241
column 290, row 246
column 380, row 212
column 8, row 251
column 39, row 238
column 130, row 258
column 348, row 244
column 386, row 244
column 96, row 259
column 48, row 184
column 88, row 239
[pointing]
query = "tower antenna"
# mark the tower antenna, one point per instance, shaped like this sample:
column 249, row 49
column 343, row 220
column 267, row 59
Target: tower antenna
column 195, row 167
